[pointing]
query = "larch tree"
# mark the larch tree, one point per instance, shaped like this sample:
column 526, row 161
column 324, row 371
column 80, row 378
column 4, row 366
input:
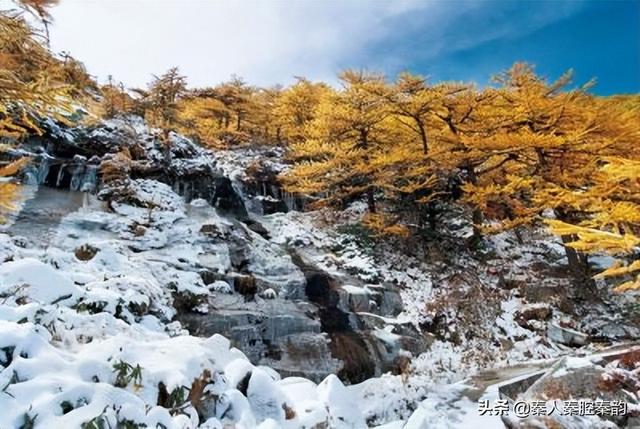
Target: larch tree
column 236, row 96
column 265, row 126
column 535, row 136
column 349, row 128
column 296, row 107
column 115, row 99
column 27, row 93
column 40, row 9
column 612, row 226
column 159, row 101
column 416, row 104
column 204, row 117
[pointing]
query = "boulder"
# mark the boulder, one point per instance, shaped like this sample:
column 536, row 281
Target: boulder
column 566, row 336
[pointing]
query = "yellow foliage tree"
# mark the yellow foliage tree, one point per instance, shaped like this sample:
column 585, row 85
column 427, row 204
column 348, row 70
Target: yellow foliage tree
column 350, row 127
column 296, row 107
column 612, row 201
column 27, row 94
column 530, row 139
column 115, row 99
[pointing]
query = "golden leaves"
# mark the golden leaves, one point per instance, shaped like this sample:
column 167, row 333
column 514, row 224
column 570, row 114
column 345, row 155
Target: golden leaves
column 595, row 240
column 13, row 167
column 9, row 191
column 8, row 194
column 385, row 225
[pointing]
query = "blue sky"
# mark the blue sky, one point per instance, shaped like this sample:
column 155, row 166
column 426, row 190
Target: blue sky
column 271, row 41
column 598, row 39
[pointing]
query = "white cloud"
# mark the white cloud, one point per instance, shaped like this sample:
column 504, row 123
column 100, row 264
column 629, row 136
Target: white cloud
column 271, row 41
column 266, row 42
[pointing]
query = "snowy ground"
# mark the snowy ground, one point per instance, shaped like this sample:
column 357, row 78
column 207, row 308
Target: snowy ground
column 87, row 337
column 92, row 340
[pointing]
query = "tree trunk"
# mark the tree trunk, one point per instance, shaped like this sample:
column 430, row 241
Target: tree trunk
column 578, row 261
column 46, row 32
column 476, row 215
column 364, row 143
column 166, row 147
column 423, row 137
column 371, row 202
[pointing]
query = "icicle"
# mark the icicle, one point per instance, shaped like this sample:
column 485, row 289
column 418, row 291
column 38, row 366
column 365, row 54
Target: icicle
column 36, row 173
column 60, row 175
column 90, row 179
column 43, row 170
column 85, row 201
column 77, row 177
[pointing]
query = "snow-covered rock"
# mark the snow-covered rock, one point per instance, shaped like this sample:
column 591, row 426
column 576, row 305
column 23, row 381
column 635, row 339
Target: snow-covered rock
column 33, row 280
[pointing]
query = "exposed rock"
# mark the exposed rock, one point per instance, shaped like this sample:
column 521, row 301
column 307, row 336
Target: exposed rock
column 269, row 294
column 566, row 336
column 534, row 312
column 270, row 205
column 139, row 230
column 227, row 199
column 281, row 334
column 512, row 280
column 86, row 252
column 245, row 285
column 599, row 378
column 258, row 228
column 532, row 316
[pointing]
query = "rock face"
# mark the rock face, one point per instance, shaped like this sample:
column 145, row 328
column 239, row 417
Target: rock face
column 278, row 308
column 71, row 159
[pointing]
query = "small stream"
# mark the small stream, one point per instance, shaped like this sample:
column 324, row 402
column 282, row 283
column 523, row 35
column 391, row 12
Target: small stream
column 42, row 211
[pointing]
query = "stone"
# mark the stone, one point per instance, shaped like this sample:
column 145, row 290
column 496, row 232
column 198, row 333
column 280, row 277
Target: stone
column 245, row 285
column 566, row 336
column 512, row 280
column 227, row 199
column 534, row 312
column 531, row 316
column 139, row 230
column 258, row 228
column 272, row 205
column 269, row 294
column 86, row 252
column 211, row 230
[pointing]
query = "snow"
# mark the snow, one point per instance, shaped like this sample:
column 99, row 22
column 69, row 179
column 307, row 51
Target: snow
column 66, row 324
column 32, row 279
column 344, row 411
